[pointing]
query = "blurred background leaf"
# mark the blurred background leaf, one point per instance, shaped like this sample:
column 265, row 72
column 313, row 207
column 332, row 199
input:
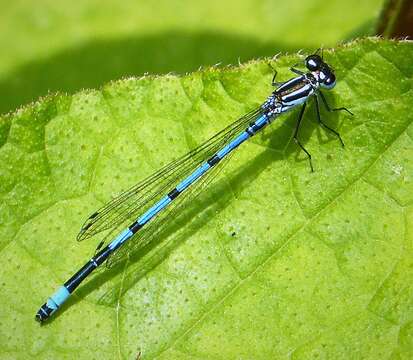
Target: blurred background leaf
column 54, row 45
column 396, row 19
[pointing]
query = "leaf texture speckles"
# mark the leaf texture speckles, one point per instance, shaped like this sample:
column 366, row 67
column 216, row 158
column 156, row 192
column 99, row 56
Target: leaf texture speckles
column 271, row 262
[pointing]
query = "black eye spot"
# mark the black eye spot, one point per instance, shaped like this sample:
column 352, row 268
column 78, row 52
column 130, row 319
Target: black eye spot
column 331, row 79
column 313, row 62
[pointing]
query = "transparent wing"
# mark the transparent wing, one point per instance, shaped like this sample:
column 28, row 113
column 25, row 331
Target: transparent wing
column 145, row 235
column 129, row 205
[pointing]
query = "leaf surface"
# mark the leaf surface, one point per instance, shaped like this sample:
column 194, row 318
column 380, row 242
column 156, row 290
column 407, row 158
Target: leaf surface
column 271, row 262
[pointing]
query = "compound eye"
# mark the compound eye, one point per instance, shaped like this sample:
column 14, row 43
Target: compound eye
column 330, row 81
column 313, row 62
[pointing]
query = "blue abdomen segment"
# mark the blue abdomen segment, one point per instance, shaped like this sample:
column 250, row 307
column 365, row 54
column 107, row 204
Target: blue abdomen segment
column 193, row 177
column 60, row 296
column 154, row 210
column 260, row 123
column 233, row 144
column 120, row 239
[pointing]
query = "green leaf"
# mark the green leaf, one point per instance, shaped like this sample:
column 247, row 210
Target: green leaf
column 50, row 46
column 271, row 262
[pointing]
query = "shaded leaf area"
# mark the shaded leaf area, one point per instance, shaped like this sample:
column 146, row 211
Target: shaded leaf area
column 271, row 262
column 97, row 63
column 55, row 48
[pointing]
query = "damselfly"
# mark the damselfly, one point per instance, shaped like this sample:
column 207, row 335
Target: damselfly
column 145, row 206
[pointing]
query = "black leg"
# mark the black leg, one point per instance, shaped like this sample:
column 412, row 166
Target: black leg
column 333, row 109
column 273, row 82
column 296, row 71
column 322, row 53
column 317, row 108
column 297, row 127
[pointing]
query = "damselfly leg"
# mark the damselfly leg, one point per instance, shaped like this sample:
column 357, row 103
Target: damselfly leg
column 329, row 108
column 322, row 53
column 296, row 71
column 324, row 125
column 273, row 82
column 297, row 141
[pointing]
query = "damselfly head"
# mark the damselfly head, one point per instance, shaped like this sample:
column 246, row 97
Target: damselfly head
column 324, row 73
